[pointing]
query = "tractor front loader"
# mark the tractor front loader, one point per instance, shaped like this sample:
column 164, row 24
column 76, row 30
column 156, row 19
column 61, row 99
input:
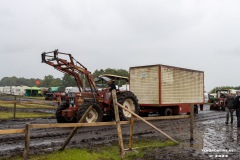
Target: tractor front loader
column 76, row 103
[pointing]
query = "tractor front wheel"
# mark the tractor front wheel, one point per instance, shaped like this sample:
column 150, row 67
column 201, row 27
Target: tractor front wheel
column 95, row 114
column 60, row 118
column 129, row 101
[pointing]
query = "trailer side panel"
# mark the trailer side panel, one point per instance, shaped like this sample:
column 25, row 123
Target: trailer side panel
column 144, row 83
column 181, row 85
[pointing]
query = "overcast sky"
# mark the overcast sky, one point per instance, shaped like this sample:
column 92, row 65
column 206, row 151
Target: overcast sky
column 195, row 34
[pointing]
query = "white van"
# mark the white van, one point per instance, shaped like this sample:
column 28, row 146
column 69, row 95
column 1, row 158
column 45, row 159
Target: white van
column 206, row 97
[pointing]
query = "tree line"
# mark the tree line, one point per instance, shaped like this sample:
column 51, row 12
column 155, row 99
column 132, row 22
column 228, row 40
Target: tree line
column 50, row 81
column 66, row 80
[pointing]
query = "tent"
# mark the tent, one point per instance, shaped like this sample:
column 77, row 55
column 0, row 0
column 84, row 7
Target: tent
column 33, row 91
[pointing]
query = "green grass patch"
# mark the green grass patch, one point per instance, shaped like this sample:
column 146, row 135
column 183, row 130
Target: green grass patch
column 102, row 152
column 39, row 98
column 43, row 106
column 9, row 115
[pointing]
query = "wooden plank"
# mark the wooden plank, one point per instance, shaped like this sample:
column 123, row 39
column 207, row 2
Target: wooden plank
column 75, row 129
column 147, row 123
column 14, row 108
column 41, row 103
column 166, row 117
column 12, row 131
column 8, row 102
column 131, row 133
column 118, row 125
column 68, row 125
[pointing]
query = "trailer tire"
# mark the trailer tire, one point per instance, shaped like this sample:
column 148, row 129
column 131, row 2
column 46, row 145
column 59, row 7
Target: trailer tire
column 144, row 114
column 95, row 115
column 168, row 112
column 130, row 101
column 60, row 118
column 211, row 107
column 195, row 109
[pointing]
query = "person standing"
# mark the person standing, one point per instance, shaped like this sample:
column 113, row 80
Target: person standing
column 229, row 108
column 237, row 107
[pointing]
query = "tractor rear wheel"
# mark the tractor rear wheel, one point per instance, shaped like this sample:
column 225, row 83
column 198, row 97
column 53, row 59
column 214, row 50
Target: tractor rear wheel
column 60, row 118
column 129, row 101
column 95, row 114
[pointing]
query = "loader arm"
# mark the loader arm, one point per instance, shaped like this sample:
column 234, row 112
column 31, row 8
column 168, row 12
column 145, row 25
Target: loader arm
column 69, row 66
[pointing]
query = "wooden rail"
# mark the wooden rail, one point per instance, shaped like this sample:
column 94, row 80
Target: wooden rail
column 12, row 131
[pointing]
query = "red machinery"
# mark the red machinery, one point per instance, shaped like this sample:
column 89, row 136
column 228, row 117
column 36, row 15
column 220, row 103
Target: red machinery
column 75, row 104
column 219, row 103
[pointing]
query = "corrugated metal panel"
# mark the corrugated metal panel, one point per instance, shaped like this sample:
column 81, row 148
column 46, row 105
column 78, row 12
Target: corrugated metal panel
column 181, row 86
column 144, row 83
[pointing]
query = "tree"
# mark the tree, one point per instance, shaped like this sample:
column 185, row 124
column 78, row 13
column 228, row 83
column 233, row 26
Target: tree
column 221, row 88
column 47, row 81
column 68, row 81
column 118, row 72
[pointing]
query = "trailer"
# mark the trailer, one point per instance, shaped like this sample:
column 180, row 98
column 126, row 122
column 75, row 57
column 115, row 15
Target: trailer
column 166, row 90
column 18, row 90
column 1, row 90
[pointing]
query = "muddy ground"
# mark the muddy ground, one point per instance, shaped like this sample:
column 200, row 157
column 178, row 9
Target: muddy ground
column 213, row 139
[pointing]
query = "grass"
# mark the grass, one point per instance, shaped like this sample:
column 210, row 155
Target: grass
column 39, row 98
column 9, row 115
column 102, row 152
column 2, row 104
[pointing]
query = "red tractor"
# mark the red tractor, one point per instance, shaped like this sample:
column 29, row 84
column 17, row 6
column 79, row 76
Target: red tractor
column 75, row 104
column 219, row 101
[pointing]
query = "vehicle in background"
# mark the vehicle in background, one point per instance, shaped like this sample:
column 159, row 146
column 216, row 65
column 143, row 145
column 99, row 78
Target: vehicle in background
column 219, row 102
column 19, row 90
column 1, row 90
column 7, row 90
column 211, row 98
column 53, row 92
column 206, row 97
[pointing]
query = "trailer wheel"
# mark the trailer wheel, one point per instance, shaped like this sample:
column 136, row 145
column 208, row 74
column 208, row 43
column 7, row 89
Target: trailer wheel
column 144, row 114
column 95, row 115
column 195, row 109
column 168, row 112
column 59, row 117
column 130, row 101
column 211, row 107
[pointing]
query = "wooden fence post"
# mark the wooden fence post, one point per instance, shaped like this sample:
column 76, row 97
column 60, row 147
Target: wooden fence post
column 19, row 98
column 75, row 129
column 142, row 119
column 119, row 130
column 131, row 133
column 191, row 121
column 14, row 107
column 27, row 143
